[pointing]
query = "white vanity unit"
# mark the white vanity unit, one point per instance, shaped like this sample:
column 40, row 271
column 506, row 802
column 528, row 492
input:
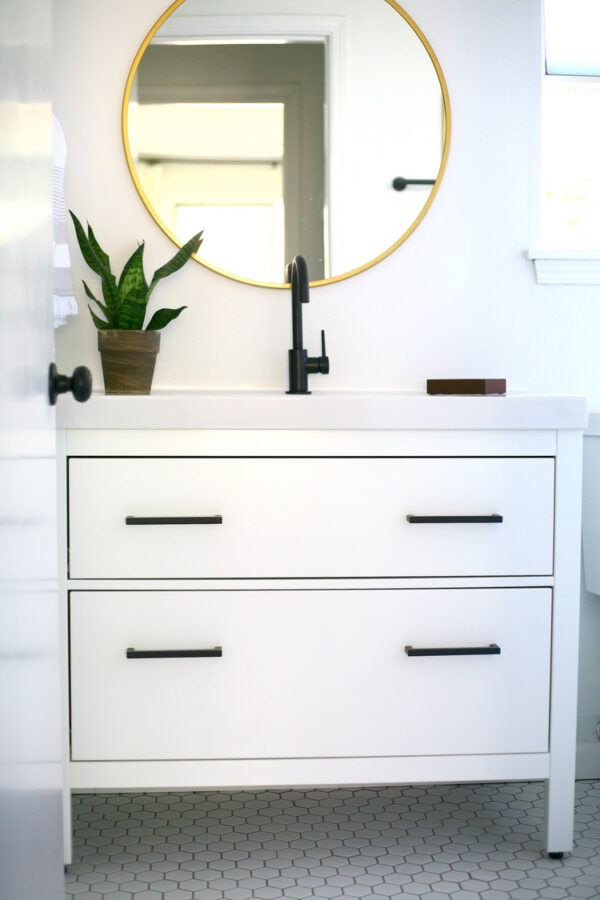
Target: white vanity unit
column 314, row 623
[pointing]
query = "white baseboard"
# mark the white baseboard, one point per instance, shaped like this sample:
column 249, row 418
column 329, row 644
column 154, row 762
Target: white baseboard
column 588, row 760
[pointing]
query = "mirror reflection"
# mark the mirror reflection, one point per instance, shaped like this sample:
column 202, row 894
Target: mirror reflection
column 283, row 131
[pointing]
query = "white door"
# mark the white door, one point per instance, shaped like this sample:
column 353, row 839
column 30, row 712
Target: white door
column 30, row 733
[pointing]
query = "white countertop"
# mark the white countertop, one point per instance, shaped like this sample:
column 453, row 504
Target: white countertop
column 320, row 410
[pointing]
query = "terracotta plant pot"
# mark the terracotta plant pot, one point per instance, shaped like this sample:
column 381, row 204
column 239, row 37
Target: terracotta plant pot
column 128, row 360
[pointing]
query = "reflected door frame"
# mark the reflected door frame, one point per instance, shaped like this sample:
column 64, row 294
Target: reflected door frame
column 332, row 30
column 290, row 97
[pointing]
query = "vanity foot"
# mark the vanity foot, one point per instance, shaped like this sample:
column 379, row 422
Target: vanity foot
column 558, row 855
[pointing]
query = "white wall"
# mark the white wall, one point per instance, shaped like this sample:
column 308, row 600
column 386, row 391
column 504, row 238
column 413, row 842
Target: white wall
column 457, row 299
column 588, row 707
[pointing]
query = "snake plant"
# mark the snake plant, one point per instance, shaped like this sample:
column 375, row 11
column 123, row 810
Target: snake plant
column 125, row 300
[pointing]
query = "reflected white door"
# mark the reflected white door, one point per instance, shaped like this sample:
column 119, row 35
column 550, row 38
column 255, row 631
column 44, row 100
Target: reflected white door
column 30, row 733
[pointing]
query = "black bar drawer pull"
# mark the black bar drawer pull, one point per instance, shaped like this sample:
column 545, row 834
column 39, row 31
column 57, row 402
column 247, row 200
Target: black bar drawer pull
column 174, row 520
column 171, row 654
column 433, row 520
column 491, row 650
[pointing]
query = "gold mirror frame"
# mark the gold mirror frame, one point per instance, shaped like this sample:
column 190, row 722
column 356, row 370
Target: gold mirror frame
column 344, row 275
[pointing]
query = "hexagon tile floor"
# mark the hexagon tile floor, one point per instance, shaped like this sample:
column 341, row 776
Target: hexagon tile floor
column 462, row 842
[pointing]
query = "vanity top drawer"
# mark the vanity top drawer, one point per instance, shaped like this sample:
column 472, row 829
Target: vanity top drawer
column 290, row 517
column 309, row 673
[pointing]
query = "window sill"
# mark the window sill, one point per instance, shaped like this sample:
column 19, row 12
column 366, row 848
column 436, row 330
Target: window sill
column 566, row 266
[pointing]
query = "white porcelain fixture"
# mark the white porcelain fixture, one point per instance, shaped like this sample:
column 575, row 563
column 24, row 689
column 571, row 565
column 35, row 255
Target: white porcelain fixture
column 343, row 639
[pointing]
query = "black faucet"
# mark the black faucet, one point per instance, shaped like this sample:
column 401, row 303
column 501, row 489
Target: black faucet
column 301, row 365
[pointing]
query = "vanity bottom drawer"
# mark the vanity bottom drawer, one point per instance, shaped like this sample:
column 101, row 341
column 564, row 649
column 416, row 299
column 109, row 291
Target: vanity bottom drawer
column 309, row 673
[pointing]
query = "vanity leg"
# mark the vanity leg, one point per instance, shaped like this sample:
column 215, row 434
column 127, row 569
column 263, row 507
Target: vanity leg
column 560, row 800
column 67, row 830
column 560, row 786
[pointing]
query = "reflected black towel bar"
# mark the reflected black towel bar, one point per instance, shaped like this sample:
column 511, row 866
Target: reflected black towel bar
column 400, row 183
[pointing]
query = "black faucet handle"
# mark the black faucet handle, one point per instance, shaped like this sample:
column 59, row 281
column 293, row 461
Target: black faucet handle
column 324, row 359
column 314, row 364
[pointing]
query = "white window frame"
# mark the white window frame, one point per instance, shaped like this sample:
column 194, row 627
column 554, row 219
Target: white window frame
column 559, row 266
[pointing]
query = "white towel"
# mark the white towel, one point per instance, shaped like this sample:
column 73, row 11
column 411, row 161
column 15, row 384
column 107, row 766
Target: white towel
column 65, row 303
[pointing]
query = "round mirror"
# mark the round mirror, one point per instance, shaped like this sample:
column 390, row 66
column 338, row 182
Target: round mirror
column 300, row 127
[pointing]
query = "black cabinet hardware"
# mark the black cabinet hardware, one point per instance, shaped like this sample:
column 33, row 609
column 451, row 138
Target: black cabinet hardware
column 174, row 520
column 400, row 183
column 171, row 654
column 80, row 384
column 491, row 650
column 429, row 520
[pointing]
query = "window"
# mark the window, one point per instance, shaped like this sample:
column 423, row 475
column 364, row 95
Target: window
column 571, row 164
column 570, row 208
column 218, row 167
column 572, row 37
column 241, row 237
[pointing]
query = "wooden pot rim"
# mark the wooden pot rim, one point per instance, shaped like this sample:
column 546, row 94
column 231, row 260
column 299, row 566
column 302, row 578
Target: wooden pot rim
column 128, row 340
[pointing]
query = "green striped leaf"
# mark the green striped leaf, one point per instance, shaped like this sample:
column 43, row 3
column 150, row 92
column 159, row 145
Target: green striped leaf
column 98, row 322
column 94, row 261
column 177, row 261
column 102, row 256
column 162, row 317
column 125, row 302
column 98, row 262
column 132, row 313
column 132, row 290
column 101, row 305
column 89, row 293
column 132, row 279
column 132, row 293
column 110, row 294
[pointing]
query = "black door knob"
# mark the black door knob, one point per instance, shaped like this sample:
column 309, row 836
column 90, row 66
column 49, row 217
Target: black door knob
column 80, row 384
